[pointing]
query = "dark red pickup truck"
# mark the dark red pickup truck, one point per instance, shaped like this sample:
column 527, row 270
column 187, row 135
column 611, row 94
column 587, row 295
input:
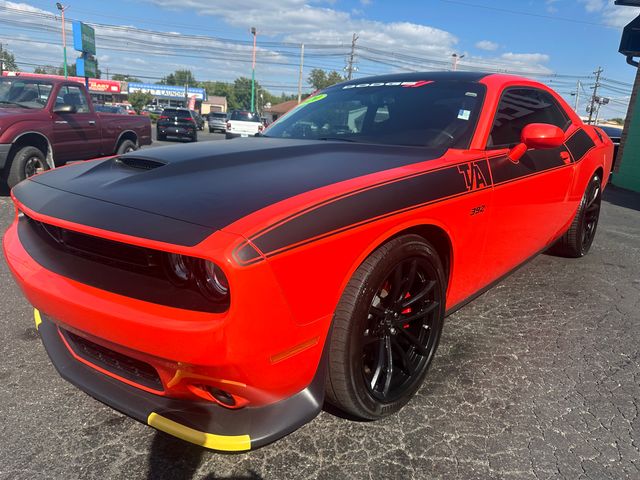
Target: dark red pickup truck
column 47, row 122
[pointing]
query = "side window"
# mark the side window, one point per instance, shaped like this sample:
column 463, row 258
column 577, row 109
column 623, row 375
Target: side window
column 70, row 95
column 518, row 108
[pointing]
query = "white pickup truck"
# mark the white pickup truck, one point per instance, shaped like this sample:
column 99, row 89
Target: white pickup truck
column 243, row 124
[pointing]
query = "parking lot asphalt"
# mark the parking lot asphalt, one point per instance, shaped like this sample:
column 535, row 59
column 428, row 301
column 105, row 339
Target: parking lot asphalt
column 538, row 378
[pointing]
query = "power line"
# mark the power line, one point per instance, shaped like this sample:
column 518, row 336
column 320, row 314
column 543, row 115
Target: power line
column 527, row 14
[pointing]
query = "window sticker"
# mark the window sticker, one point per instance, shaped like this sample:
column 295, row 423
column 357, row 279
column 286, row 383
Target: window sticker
column 464, row 114
column 317, row 98
column 415, row 84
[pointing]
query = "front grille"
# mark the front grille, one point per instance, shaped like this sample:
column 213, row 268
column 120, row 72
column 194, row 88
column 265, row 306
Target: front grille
column 122, row 365
column 116, row 267
column 100, row 249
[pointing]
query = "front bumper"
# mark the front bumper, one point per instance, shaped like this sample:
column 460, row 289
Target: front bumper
column 202, row 423
column 5, row 148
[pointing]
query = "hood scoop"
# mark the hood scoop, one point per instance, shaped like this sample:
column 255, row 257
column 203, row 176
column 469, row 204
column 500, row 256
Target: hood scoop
column 139, row 163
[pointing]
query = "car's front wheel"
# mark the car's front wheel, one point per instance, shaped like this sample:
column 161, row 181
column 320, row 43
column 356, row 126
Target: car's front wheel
column 577, row 241
column 386, row 328
column 27, row 162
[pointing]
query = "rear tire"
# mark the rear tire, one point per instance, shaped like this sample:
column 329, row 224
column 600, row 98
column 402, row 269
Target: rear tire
column 577, row 241
column 126, row 146
column 386, row 329
column 26, row 162
column 161, row 137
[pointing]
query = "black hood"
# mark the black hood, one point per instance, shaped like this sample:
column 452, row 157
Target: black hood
column 213, row 184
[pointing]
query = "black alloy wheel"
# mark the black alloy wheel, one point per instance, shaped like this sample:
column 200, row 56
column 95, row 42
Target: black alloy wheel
column 591, row 214
column 398, row 339
column 577, row 241
column 386, row 328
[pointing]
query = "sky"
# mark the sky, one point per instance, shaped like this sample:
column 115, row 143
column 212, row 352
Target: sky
column 558, row 41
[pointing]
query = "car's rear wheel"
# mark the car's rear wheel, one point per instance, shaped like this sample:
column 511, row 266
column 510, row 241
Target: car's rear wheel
column 126, row 146
column 386, row 329
column 161, row 137
column 27, row 162
column 577, row 241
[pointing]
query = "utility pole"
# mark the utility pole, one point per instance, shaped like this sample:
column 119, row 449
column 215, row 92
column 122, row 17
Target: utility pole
column 577, row 96
column 62, row 8
column 350, row 63
column 253, row 71
column 300, row 74
column 595, row 94
column 2, row 61
column 455, row 59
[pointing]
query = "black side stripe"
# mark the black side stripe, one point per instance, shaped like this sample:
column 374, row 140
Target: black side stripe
column 533, row 162
column 579, row 145
column 366, row 205
column 379, row 201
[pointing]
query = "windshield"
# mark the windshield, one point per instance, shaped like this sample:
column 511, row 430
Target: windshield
column 24, row 93
column 433, row 114
column 218, row 115
column 244, row 117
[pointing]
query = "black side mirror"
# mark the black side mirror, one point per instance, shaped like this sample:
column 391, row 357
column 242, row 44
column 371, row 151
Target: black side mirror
column 66, row 108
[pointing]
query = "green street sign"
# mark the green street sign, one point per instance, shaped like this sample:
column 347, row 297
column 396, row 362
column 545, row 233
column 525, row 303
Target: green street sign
column 84, row 38
column 86, row 67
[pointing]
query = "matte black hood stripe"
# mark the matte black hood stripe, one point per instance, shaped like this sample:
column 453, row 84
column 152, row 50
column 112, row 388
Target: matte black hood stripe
column 212, row 184
column 108, row 216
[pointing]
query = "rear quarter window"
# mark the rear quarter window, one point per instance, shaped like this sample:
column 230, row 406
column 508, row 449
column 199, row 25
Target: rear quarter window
column 518, row 108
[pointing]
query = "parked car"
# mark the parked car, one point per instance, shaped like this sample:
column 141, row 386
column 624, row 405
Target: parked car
column 217, row 121
column 243, row 124
column 615, row 134
column 47, row 122
column 128, row 108
column 223, row 292
column 110, row 109
column 177, row 122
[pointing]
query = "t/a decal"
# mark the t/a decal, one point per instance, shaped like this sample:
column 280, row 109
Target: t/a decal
column 474, row 178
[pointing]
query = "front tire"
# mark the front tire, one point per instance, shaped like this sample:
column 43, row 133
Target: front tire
column 577, row 241
column 27, row 161
column 386, row 329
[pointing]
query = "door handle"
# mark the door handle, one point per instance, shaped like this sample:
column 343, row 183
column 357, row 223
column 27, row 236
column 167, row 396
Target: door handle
column 92, row 122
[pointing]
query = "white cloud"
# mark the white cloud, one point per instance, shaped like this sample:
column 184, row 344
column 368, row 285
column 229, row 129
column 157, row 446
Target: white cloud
column 611, row 14
column 296, row 21
column 593, row 5
column 487, row 45
column 551, row 7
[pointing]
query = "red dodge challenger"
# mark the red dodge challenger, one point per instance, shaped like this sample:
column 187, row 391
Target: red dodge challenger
column 222, row 292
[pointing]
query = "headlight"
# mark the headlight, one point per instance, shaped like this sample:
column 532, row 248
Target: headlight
column 197, row 274
column 212, row 280
column 177, row 267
